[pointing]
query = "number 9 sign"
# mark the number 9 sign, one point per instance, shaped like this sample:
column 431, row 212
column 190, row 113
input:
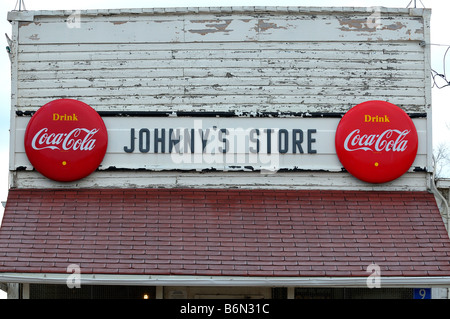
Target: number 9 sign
column 422, row 293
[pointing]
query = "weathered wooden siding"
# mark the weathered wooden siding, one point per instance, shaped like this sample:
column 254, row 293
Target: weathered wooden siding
column 276, row 61
column 246, row 180
column 247, row 61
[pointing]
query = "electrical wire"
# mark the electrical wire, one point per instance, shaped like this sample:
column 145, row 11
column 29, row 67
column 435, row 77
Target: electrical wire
column 435, row 74
column 445, row 75
column 415, row 3
column 20, row 3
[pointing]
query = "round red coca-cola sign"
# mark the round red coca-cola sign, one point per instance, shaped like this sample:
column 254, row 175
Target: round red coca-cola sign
column 66, row 140
column 376, row 141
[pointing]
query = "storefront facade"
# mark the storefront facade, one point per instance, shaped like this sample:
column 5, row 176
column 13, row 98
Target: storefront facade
column 242, row 152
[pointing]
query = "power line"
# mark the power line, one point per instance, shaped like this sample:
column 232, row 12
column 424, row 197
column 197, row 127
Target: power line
column 435, row 74
column 415, row 3
column 20, row 3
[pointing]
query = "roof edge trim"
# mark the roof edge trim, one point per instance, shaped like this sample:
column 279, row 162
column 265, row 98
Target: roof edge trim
column 26, row 15
column 226, row 281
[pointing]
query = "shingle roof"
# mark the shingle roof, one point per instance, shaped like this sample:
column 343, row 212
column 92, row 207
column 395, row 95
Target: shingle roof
column 223, row 232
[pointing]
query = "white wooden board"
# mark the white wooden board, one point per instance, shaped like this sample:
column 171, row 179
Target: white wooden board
column 235, row 149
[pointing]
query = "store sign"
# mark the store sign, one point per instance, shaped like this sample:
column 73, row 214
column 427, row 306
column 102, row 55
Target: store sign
column 376, row 141
column 220, row 140
column 66, row 140
column 63, row 144
column 220, row 143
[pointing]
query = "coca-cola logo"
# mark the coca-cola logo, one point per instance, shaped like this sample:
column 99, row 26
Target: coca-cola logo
column 388, row 141
column 66, row 140
column 376, row 141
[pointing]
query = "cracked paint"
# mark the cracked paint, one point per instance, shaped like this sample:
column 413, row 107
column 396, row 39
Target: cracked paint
column 34, row 37
column 213, row 26
column 24, row 24
column 367, row 25
column 264, row 26
column 118, row 22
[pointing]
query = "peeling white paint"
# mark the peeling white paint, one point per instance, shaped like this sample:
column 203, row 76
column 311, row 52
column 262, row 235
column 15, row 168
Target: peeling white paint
column 245, row 61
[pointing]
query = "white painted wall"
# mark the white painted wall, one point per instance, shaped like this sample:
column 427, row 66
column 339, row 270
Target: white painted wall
column 244, row 61
column 277, row 61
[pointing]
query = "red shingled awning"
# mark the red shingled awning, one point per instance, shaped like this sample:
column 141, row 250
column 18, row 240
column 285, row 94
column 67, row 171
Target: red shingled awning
column 226, row 232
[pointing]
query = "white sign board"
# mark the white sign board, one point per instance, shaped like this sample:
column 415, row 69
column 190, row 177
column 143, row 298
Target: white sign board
column 219, row 143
